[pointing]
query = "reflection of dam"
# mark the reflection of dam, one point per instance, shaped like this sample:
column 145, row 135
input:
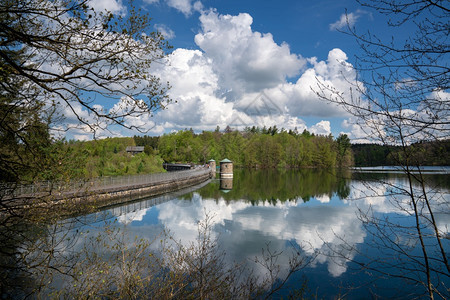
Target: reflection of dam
column 140, row 205
column 121, row 210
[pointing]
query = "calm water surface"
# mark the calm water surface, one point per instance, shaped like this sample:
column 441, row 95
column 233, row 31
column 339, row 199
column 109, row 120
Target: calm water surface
column 318, row 213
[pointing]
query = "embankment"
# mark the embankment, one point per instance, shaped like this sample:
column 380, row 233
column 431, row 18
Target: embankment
column 123, row 194
column 75, row 198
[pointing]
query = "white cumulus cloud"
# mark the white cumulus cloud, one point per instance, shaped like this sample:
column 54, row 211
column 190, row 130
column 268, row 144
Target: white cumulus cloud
column 239, row 78
column 245, row 60
column 194, row 86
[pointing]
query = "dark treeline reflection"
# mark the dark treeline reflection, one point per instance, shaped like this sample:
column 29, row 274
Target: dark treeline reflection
column 279, row 186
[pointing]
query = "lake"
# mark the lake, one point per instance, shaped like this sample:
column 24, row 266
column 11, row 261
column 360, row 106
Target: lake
column 355, row 232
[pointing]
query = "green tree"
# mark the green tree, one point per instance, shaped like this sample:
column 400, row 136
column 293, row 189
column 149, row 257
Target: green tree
column 324, row 155
column 231, row 146
column 343, row 150
column 23, row 130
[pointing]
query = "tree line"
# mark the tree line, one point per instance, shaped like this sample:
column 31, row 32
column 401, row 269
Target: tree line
column 271, row 147
column 257, row 147
column 252, row 148
column 262, row 148
column 426, row 153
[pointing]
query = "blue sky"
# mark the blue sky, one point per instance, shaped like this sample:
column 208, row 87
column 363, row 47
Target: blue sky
column 304, row 25
column 245, row 63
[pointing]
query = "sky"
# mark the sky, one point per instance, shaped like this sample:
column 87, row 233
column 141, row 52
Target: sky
column 251, row 63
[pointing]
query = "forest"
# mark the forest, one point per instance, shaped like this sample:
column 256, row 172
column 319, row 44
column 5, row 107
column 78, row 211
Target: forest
column 252, row 148
column 434, row 153
column 257, row 148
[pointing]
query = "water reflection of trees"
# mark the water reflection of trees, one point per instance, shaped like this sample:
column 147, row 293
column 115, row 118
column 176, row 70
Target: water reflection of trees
column 274, row 186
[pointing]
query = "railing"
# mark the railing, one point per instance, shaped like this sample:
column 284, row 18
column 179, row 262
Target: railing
column 101, row 183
